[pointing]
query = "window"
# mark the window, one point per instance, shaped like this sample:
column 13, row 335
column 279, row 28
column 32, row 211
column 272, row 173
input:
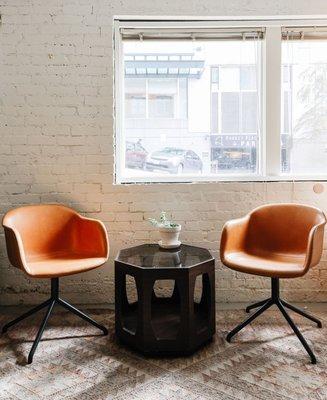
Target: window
column 162, row 95
column 200, row 101
column 135, row 98
column 304, row 103
column 155, row 97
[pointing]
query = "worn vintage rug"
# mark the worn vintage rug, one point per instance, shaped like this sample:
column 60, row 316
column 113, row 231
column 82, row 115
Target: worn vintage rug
column 265, row 361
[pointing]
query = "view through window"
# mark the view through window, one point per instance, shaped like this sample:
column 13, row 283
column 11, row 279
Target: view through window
column 191, row 107
column 304, row 106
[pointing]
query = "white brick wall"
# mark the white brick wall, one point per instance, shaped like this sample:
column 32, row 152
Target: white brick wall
column 56, row 143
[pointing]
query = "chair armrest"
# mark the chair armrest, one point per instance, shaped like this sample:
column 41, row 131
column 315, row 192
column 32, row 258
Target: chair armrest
column 90, row 237
column 15, row 249
column 314, row 246
column 233, row 236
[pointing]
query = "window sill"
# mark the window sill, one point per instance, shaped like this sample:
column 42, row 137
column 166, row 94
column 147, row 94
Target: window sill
column 216, row 179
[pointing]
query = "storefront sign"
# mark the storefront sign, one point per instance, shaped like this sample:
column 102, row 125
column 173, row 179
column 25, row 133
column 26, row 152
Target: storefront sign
column 245, row 141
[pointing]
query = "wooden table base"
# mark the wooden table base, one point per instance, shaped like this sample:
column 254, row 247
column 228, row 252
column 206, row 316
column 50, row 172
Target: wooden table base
column 173, row 325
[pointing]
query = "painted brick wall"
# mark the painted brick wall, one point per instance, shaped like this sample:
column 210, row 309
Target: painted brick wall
column 56, row 143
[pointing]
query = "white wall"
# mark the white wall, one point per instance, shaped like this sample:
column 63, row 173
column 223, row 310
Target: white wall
column 199, row 96
column 57, row 146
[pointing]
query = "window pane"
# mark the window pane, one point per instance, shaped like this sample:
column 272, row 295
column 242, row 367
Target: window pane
column 286, row 112
column 249, row 112
column 214, row 112
column 161, row 106
column 190, row 109
column 304, row 105
column 248, row 78
column 215, row 75
column 135, row 105
column 162, row 97
column 230, row 109
column 286, row 76
column 229, row 79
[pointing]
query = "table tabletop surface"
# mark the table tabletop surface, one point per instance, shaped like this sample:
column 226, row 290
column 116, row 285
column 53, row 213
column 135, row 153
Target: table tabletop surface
column 154, row 257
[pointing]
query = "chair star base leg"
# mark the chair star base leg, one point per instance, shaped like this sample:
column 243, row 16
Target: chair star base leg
column 252, row 317
column 80, row 314
column 297, row 332
column 301, row 312
column 281, row 304
column 25, row 315
column 40, row 332
column 51, row 302
column 255, row 305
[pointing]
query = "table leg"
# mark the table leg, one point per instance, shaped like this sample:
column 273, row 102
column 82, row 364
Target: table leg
column 186, row 290
column 121, row 301
column 144, row 331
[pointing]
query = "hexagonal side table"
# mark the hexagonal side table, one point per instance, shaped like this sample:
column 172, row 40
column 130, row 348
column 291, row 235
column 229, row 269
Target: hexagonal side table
column 174, row 325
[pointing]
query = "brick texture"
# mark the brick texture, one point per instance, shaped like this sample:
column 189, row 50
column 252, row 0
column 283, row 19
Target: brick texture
column 57, row 143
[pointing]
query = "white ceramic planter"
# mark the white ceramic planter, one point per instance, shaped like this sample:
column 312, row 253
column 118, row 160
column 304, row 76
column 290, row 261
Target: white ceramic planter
column 169, row 237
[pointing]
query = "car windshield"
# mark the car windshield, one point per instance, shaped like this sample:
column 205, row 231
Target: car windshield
column 170, row 151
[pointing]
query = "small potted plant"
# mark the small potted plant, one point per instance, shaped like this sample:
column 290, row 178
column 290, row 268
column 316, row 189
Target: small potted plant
column 169, row 231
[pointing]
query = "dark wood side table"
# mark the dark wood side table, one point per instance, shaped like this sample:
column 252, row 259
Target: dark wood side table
column 173, row 325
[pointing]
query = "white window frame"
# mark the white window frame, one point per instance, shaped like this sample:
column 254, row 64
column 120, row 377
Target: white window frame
column 269, row 149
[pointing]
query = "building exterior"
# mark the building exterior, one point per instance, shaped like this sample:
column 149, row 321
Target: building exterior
column 205, row 97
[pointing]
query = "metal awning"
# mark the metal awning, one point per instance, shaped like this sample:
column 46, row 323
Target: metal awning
column 162, row 65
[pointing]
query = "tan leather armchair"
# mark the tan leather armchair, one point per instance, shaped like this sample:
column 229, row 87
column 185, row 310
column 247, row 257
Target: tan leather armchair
column 52, row 241
column 276, row 241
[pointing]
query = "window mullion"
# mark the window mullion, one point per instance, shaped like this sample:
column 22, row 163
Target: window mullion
column 118, row 106
column 272, row 82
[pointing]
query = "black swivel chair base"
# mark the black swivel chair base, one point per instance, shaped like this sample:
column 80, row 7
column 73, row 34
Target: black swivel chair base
column 282, row 305
column 50, row 303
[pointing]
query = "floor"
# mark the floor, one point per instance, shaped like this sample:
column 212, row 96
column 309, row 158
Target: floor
column 265, row 361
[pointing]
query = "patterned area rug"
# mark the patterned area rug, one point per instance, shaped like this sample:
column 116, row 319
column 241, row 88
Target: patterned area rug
column 265, row 361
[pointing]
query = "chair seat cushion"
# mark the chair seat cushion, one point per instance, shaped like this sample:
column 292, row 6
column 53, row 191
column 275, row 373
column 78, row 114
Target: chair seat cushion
column 56, row 265
column 268, row 264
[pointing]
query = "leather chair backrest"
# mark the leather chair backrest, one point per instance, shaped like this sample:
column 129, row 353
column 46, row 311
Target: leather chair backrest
column 43, row 228
column 282, row 228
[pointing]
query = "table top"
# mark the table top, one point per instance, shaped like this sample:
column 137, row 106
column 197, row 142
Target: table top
column 148, row 256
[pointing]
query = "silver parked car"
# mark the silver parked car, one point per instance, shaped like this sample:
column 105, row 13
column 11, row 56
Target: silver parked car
column 174, row 160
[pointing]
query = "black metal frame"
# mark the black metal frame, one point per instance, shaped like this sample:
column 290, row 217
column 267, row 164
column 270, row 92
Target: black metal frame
column 50, row 303
column 281, row 304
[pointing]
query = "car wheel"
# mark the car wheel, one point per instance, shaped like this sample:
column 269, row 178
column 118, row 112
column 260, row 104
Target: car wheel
column 180, row 169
